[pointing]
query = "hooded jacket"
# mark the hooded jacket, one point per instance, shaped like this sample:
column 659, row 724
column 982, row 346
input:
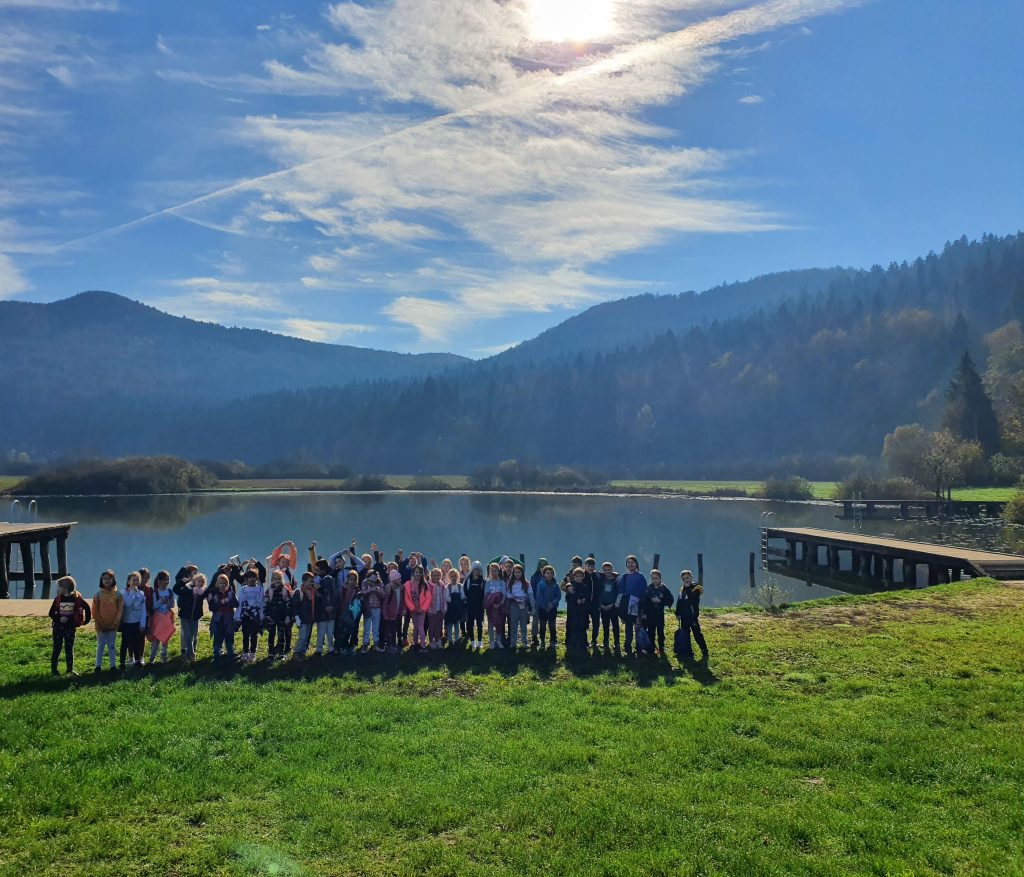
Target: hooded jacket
column 474, row 588
column 688, row 604
column 107, row 607
column 655, row 611
column 417, row 600
column 548, row 596
column 191, row 603
column 72, row 607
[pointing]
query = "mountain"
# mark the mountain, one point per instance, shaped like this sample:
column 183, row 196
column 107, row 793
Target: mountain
column 638, row 319
column 98, row 345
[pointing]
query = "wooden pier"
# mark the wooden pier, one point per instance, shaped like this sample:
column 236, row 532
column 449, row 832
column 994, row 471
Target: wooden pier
column 26, row 536
column 907, row 509
column 878, row 557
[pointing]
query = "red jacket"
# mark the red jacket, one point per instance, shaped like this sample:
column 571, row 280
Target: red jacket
column 71, row 606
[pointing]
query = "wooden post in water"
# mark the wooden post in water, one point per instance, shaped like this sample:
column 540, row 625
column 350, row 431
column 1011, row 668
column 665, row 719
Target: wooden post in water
column 700, row 570
column 5, row 564
column 877, row 567
column 933, row 574
column 657, row 561
column 62, row 555
column 887, row 564
column 28, row 564
column 753, row 581
column 791, row 551
column 909, row 572
column 855, row 562
column 44, row 562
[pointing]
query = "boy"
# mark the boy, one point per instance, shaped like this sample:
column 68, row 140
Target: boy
column 547, row 598
column 223, row 604
column 688, row 613
column 633, row 586
column 69, row 611
column 657, row 598
column 608, row 598
column 277, row 609
column 304, row 609
column 593, row 580
column 578, row 597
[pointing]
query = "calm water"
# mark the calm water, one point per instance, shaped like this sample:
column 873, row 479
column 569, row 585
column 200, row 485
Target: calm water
column 164, row 532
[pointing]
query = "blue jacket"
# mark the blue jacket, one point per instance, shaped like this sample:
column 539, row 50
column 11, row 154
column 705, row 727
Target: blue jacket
column 549, row 595
column 607, row 591
column 633, row 584
column 134, row 607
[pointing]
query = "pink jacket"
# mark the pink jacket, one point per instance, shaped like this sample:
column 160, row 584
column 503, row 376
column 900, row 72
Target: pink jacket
column 391, row 604
column 439, row 598
column 414, row 597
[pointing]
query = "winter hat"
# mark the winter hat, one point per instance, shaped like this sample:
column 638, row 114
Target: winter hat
column 394, row 576
column 477, row 565
column 504, row 559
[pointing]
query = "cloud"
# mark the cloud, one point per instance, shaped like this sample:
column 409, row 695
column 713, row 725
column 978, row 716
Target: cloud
column 321, row 330
column 12, row 282
column 278, row 216
column 751, row 99
column 67, row 5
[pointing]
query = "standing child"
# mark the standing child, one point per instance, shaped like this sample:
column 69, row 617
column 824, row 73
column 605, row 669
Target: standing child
column 578, row 597
column 69, row 611
column 455, row 617
column 161, row 626
column 549, row 595
column 371, row 596
column 107, row 607
column 474, row 588
column 609, row 596
column 495, row 600
column 657, row 598
column 688, row 613
column 146, row 589
column 277, row 612
column 284, row 559
column 250, row 613
column 223, row 604
column 190, row 589
column 133, row 620
column 633, row 586
column 417, row 599
column 535, row 580
column 391, row 610
column 347, row 614
column 304, row 610
column 326, row 607
column 520, row 603
column 439, row 598
column 593, row 580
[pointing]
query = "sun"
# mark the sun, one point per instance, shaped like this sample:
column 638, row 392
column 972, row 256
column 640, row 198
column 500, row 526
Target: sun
column 574, row 21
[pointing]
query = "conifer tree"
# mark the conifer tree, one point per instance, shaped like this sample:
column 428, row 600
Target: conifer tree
column 969, row 412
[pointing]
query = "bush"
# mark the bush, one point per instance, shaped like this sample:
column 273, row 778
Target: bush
column 1014, row 510
column 1006, row 469
column 365, row 483
column 866, row 487
column 791, row 487
column 513, row 475
column 128, row 475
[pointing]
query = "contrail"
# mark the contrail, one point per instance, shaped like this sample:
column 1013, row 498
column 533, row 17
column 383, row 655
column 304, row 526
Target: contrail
column 741, row 22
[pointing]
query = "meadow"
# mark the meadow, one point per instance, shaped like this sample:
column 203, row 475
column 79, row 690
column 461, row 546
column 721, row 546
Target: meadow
column 875, row 735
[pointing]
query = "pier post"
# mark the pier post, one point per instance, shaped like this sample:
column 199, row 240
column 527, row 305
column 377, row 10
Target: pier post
column 943, row 575
column 956, row 573
column 833, row 558
column 791, row 551
column 44, row 562
column 933, row 574
column 855, row 562
column 62, row 555
column 28, row 564
column 887, row 564
column 5, row 586
column 700, row 570
column 877, row 570
column 753, row 581
column 909, row 572
column 904, row 510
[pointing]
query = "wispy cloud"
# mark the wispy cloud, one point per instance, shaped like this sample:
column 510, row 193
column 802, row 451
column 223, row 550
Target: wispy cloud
column 12, row 282
column 751, row 99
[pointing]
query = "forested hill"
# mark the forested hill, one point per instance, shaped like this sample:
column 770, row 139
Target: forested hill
column 812, row 378
column 638, row 319
column 98, row 345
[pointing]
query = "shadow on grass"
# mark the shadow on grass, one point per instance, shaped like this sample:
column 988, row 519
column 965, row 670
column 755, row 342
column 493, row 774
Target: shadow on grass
column 372, row 667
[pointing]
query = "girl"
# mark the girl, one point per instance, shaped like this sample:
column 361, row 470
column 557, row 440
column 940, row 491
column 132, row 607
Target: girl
column 417, row 602
column 520, row 604
column 391, row 610
column 455, row 617
column 346, row 625
column 250, row 613
column 190, row 589
column 371, row 595
column 495, row 598
column 474, row 588
column 161, row 627
column 223, row 604
column 609, row 597
column 146, row 589
column 285, row 558
column 548, row 596
column 107, row 607
column 439, row 598
column 68, row 612
column 277, row 610
column 632, row 585
column 133, row 620
column 464, row 567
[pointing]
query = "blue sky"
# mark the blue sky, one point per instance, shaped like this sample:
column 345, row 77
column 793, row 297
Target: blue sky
column 462, row 174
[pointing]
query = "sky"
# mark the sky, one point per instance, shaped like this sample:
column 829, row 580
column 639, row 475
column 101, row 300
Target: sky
column 459, row 175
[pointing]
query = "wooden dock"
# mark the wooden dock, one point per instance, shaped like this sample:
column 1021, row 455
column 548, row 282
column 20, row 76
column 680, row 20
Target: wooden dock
column 26, row 537
column 877, row 557
column 907, row 509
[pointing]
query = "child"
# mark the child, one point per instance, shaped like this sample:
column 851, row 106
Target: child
column 688, row 613
column 657, row 598
column 608, row 598
column 633, row 585
column 304, row 609
column 549, row 595
column 592, row 579
column 133, row 620
column 495, row 598
column 371, row 596
column 520, row 602
column 326, row 607
column 391, row 610
column 69, row 611
column 346, row 620
column 417, row 598
column 146, row 589
column 107, row 607
column 277, row 613
column 284, row 559
column 161, row 626
column 535, row 579
column 474, row 588
column 439, row 598
column 465, row 565
column 250, row 613
column 190, row 589
column 223, row 604
column 455, row 617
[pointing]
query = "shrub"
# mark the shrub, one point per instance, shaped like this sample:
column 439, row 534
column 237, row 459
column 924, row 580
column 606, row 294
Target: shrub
column 790, row 487
column 1014, row 510
column 127, row 475
column 866, row 487
column 366, row 483
column 1006, row 469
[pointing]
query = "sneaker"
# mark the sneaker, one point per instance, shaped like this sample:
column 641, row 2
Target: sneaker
column 54, row 672
column 129, row 665
column 99, row 667
column 378, row 648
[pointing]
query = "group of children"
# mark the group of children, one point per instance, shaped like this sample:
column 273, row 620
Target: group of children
column 444, row 605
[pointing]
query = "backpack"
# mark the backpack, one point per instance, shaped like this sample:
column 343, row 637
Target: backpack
column 643, row 640
column 356, row 608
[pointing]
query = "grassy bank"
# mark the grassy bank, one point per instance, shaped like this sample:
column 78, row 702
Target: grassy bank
column 879, row 735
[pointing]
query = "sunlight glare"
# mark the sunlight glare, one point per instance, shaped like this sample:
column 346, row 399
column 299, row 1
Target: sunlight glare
column 574, row 21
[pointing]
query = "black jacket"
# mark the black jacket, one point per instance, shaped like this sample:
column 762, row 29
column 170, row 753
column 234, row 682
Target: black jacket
column 655, row 611
column 190, row 607
column 688, row 604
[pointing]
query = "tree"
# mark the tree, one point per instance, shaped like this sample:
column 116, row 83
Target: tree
column 969, row 411
column 949, row 459
column 903, row 452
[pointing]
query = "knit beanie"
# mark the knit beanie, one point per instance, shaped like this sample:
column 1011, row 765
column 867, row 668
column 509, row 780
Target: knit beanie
column 394, row 576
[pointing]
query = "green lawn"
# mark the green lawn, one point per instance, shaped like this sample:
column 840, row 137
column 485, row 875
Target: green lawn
column 822, row 489
column 9, row 481
column 880, row 735
column 985, row 494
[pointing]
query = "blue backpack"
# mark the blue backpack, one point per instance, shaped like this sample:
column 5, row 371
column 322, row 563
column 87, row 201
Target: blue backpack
column 643, row 640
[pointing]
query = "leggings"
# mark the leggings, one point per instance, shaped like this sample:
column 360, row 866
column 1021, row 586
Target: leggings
column 63, row 638
column 436, row 620
column 250, row 635
column 279, row 639
column 475, row 619
column 419, row 638
column 546, row 623
column 131, row 641
column 389, row 632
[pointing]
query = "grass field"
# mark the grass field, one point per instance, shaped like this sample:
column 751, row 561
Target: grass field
column 878, row 735
column 8, row 481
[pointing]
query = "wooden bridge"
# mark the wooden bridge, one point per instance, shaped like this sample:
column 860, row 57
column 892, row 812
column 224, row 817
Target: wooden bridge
column 25, row 536
column 877, row 557
column 920, row 508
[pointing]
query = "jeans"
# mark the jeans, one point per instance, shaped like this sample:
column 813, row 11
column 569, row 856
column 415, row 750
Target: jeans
column 610, row 618
column 595, row 623
column 251, row 628
column 475, row 621
column 63, row 638
column 519, row 619
column 371, row 625
column 189, row 637
column 453, row 630
column 279, row 639
column 223, row 630
column 546, row 622
column 131, row 641
column 631, row 622
column 656, row 631
column 305, row 631
column 325, row 636
column 687, row 646
column 106, row 641
column 153, row 647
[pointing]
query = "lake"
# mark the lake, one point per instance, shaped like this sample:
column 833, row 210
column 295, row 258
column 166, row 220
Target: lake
column 163, row 532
